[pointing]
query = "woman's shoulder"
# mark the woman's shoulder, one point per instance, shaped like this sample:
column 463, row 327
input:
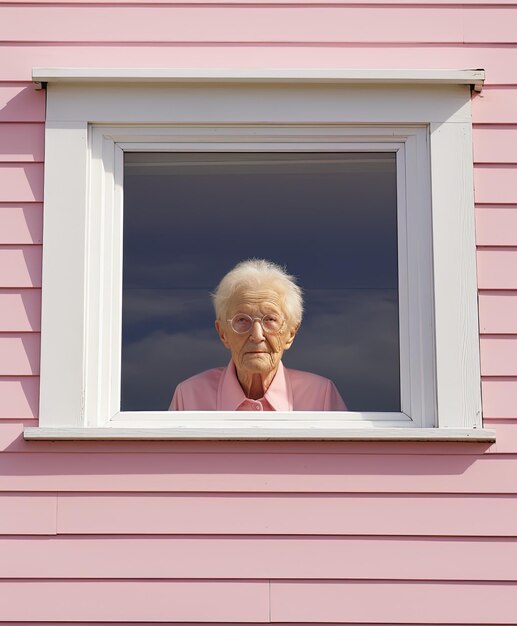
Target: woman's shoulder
column 314, row 392
column 208, row 377
column 307, row 377
column 197, row 393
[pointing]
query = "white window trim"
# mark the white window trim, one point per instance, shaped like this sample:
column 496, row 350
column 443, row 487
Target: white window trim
column 90, row 124
column 473, row 78
column 102, row 401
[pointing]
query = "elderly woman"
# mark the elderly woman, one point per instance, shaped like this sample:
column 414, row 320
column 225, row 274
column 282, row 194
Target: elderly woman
column 258, row 309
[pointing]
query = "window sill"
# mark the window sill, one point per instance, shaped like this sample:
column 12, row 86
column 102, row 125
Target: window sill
column 476, row 435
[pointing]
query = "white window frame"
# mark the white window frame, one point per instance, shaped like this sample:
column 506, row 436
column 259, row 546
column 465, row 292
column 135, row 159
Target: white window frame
column 91, row 122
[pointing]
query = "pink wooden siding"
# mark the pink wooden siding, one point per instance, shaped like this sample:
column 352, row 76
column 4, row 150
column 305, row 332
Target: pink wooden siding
column 241, row 533
column 21, row 222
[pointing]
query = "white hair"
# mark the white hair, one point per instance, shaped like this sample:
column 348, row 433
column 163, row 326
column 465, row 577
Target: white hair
column 259, row 274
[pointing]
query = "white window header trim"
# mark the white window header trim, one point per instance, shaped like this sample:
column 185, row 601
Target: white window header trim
column 284, row 75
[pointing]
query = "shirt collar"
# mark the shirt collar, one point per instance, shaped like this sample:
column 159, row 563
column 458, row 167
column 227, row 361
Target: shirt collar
column 230, row 394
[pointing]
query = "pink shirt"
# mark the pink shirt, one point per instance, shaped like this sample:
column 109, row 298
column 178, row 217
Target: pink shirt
column 218, row 389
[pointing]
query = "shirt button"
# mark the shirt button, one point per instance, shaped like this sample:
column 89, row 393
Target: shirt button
column 257, row 407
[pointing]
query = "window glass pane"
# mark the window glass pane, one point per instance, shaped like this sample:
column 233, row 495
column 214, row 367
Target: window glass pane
column 331, row 218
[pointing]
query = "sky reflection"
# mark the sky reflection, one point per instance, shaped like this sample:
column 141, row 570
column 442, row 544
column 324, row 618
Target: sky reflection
column 331, row 218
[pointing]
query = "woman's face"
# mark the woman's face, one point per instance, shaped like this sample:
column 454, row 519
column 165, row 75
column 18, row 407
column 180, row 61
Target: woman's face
column 257, row 352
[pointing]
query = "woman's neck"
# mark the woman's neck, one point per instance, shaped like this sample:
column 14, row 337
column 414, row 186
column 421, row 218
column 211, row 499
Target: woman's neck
column 255, row 384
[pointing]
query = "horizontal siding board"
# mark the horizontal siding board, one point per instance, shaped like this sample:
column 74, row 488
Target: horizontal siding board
column 498, row 312
column 181, row 623
column 497, row 269
column 500, row 62
column 496, row 226
column 495, row 144
column 491, row 24
column 394, row 602
column 498, row 355
column 499, row 399
column 19, row 354
column 11, row 429
column 20, row 266
column 495, row 184
column 22, row 142
column 241, row 24
column 21, row 182
column 413, row 3
column 306, row 514
column 260, row 23
column 258, row 558
column 20, row 397
column 506, row 433
column 326, row 473
column 20, row 310
column 130, row 601
column 139, row 623
column 495, row 105
column 21, row 102
column 26, row 514
column 21, row 223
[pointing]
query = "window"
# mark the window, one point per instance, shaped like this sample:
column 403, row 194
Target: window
column 102, row 136
column 331, row 217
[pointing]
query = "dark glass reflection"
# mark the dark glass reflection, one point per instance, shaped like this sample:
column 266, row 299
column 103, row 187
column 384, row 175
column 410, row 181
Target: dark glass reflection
column 329, row 217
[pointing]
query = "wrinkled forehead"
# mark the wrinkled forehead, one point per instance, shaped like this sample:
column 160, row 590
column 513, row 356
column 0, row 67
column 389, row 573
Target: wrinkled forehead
column 255, row 301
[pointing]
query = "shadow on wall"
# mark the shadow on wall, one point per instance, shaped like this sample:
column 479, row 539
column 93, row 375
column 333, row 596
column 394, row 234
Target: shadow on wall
column 272, row 466
column 24, row 104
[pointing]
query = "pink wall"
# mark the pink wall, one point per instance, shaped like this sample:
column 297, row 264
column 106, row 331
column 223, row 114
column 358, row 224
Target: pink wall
column 257, row 532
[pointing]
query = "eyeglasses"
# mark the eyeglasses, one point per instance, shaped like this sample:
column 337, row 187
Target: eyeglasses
column 242, row 323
